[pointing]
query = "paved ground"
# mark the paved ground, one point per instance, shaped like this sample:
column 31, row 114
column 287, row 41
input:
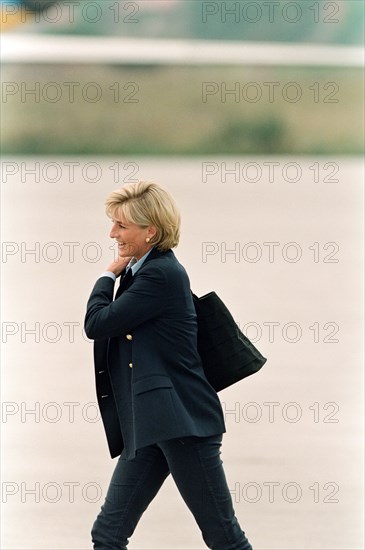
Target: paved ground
column 293, row 447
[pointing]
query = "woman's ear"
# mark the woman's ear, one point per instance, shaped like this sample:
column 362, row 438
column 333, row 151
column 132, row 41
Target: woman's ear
column 151, row 231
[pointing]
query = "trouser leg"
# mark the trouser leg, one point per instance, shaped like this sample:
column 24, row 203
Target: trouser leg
column 133, row 485
column 197, row 470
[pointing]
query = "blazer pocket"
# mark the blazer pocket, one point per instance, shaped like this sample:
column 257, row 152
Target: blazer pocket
column 151, row 383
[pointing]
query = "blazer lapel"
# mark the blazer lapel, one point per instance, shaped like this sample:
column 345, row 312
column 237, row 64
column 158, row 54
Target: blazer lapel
column 125, row 281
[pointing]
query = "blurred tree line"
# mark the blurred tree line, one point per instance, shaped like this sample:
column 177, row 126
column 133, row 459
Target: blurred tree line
column 322, row 21
column 156, row 109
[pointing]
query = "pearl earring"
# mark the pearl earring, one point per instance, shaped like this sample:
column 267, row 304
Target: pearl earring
column 148, row 240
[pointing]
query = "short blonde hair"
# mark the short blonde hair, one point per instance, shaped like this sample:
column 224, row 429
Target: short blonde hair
column 147, row 203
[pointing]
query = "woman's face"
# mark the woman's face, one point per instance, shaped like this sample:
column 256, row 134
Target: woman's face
column 131, row 238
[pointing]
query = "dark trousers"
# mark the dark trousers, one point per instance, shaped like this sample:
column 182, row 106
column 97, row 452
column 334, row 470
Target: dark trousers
column 197, row 470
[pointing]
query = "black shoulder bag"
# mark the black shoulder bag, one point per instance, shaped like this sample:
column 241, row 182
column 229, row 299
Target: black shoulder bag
column 227, row 354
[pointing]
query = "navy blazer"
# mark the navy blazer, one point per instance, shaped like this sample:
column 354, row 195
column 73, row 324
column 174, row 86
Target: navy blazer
column 150, row 381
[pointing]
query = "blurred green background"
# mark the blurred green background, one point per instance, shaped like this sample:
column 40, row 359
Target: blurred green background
column 321, row 22
column 159, row 109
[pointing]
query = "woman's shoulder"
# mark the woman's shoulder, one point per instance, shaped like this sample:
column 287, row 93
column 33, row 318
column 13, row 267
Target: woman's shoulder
column 167, row 262
column 170, row 260
column 165, row 258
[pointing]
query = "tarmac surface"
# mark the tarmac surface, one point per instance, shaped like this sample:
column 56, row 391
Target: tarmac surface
column 279, row 239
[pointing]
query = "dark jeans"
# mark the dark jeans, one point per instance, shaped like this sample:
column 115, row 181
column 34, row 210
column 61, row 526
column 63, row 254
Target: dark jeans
column 197, row 470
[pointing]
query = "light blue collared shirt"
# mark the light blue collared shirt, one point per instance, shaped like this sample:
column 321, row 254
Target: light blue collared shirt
column 133, row 265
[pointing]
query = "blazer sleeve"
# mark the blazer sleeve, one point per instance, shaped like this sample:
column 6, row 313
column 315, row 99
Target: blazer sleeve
column 143, row 300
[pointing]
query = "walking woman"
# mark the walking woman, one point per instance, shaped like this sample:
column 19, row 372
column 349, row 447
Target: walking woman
column 159, row 412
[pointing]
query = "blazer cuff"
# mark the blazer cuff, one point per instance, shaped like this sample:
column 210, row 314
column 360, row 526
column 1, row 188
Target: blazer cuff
column 108, row 274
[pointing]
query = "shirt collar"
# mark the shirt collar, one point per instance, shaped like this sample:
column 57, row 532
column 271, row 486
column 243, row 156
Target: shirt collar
column 136, row 264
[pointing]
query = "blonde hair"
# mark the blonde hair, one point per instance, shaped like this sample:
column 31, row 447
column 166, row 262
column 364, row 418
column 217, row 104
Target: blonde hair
column 147, row 203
